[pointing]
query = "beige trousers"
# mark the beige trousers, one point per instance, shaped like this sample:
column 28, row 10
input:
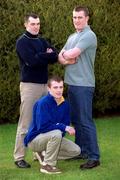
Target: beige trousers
column 55, row 147
column 29, row 93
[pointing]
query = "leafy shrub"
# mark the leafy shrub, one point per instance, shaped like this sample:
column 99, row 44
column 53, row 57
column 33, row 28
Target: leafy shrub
column 56, row 26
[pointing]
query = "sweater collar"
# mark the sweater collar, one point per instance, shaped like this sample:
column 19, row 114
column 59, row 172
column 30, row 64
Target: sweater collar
column 31, row 36
column 61, row 101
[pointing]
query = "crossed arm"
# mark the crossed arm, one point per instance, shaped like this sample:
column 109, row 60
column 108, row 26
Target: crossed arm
column 69, row 56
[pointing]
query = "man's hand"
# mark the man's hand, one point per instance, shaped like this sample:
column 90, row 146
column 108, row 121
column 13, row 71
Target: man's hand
column 71, row 61
column 49, row 50
column 70, row 130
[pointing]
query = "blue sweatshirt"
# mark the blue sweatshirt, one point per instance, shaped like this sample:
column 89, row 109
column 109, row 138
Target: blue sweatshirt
column 33, row 58
column 48, row 116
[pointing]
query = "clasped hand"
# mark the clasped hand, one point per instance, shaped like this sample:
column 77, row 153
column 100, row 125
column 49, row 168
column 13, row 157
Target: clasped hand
column 70, row 130
column 49, row 50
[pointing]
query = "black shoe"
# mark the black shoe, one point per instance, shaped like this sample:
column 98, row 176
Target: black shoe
column 79, row 157
column 90, row 164
column 22, row 164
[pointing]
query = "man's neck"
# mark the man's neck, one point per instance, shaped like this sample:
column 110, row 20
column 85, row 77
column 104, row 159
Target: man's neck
column 80, row 30
column 29, row 35
column 59, row 100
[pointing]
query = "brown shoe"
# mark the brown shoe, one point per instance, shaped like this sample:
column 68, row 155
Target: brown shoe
column 49, row 169
column 40, row 157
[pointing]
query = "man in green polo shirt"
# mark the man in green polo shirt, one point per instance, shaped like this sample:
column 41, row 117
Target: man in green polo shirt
column 78, row 56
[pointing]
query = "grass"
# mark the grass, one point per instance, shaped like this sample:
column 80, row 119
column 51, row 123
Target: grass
column 109, row 141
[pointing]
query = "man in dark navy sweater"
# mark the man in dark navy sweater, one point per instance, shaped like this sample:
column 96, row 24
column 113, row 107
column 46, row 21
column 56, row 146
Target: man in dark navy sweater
column 50, row 122
column 34, row 55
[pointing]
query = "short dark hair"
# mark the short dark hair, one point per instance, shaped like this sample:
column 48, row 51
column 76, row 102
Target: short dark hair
column 54, row 78
column 33, row 15
column 82, row 8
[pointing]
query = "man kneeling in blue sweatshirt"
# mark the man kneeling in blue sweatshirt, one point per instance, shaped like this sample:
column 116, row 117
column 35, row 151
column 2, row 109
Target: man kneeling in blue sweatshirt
column 50, row 122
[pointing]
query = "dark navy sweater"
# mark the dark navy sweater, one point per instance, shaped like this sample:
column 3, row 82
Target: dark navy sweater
column 33, row 58
column 48, row 116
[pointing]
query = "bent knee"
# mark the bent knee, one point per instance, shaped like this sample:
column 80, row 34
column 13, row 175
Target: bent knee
column 57, row 134
column 78, row 150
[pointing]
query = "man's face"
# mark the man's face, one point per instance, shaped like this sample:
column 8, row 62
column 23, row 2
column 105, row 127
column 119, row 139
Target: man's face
column 79, row 20
column 56, row 89
column 33, row 25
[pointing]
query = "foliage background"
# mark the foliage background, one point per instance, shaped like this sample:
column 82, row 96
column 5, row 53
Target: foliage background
column 56, row 26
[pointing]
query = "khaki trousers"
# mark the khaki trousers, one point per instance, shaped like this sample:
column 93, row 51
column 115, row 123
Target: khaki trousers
column 29, row 93
column 55, row 147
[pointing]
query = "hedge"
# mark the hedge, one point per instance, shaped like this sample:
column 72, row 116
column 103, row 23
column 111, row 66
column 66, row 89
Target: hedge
column 56, row 26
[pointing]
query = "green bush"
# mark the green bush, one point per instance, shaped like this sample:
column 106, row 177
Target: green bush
column 56, row 26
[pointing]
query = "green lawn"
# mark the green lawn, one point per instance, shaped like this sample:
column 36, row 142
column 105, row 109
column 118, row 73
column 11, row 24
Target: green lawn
column 109, row 141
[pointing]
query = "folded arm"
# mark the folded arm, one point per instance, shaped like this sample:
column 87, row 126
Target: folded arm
column 69, row 56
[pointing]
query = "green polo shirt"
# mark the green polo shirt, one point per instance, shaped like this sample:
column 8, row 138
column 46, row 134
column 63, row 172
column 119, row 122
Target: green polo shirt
column 82, row 73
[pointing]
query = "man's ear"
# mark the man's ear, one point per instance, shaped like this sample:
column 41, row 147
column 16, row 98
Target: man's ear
column 87, row 18
column 25, row 24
